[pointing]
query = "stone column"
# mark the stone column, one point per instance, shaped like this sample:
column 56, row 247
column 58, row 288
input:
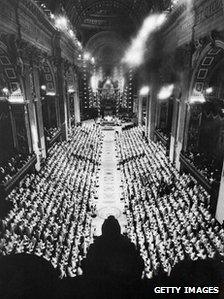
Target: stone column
column 77, row 107
column 57, row 111
column 34, row 111
column 28, row 128
column 182, row 118
column 69, row 122
column 173, row 137
column 147, row 115
column 158, row 113
column 140, row 110
column 13, row 125
column 64, row 98
column 220, row 204
column 38, row 111
column 151, row 107
column 61, row 97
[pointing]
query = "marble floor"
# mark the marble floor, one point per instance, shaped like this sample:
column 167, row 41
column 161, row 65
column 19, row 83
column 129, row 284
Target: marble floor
column 110, row 185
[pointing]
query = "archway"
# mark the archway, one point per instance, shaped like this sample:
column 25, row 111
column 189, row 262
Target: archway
column 12, row 106
column 108, row 90
column 14, row 127
column 48, row 101
column 71, row 83
column 205, row 130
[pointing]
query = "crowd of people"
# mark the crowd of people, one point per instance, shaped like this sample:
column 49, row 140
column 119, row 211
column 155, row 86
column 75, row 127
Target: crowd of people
column 10, row 167
column 168, row 216
column 50, row 133
column 164, row 133
column 53, row 209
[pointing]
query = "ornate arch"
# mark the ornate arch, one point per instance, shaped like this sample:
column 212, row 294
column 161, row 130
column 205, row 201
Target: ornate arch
column 104, row 41
column 136, row 10
column 211, row 54
column 49, row 77
column 71, row 80
column 8, row 70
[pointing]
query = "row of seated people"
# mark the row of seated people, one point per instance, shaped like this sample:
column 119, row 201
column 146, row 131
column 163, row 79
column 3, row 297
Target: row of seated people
column 166, row 227
column 11, row 166
column 53, row 209
column 164, row 133
column 50, row 133
column 207, row 165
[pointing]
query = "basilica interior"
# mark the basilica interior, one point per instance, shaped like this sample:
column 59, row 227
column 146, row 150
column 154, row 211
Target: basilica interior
column 111, row 148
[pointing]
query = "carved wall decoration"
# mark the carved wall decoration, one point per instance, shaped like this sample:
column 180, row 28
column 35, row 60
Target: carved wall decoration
column 199, row 122
column 136, row 11
column 49, row 78
column 8, row 69
column 70, row 80
column 18, row 113
column 206, row 63
column 5, row 131
column 194, row 127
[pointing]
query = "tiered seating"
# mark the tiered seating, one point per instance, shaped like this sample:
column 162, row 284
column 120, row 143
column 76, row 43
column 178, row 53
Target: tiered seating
column 206, row 165
column 10, row 167
column 167, row 214
column 51, row 133
column 53, row 209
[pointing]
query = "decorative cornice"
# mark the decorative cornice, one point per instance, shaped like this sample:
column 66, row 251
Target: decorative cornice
column 37, row 11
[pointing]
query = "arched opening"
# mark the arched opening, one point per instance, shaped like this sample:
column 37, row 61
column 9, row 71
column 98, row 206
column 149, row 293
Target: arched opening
column 108, row 90
column 204, row 144
column 15, row 148
column 71, row 86
column 211, row 139
column 164, row 125
column 48, row 101
column 205, row 134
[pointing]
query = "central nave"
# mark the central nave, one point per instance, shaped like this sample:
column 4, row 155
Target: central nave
column 96, row 173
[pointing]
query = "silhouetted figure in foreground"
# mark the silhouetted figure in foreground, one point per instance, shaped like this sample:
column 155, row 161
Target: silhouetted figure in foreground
column 112, row 268
column 113, row 255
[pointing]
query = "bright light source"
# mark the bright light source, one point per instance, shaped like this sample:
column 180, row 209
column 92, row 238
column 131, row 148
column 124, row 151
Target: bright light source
column 134, row 56
column 43, row 87
column 16, row 97
column 197, row 99
column 165, row 92
column 72, row 34
column 79, row 44
column 93, row 60
column 34, row 136
column 52, row 16
column 94, row 82
column 144, row 91
column 16, row 100
column 71, row 90
column 61, row 23
column 87, row 56
column 209, row 90
column 5, row 90
column 51, row 93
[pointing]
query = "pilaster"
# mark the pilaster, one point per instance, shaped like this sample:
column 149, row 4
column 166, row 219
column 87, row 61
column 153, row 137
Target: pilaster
column 220, row 203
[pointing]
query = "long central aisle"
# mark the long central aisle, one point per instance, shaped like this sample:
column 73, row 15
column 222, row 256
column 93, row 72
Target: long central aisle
column 110, row 185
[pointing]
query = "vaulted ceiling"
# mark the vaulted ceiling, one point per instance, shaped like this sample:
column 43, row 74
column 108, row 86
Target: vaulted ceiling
column 117, row 15
column 105, row 26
